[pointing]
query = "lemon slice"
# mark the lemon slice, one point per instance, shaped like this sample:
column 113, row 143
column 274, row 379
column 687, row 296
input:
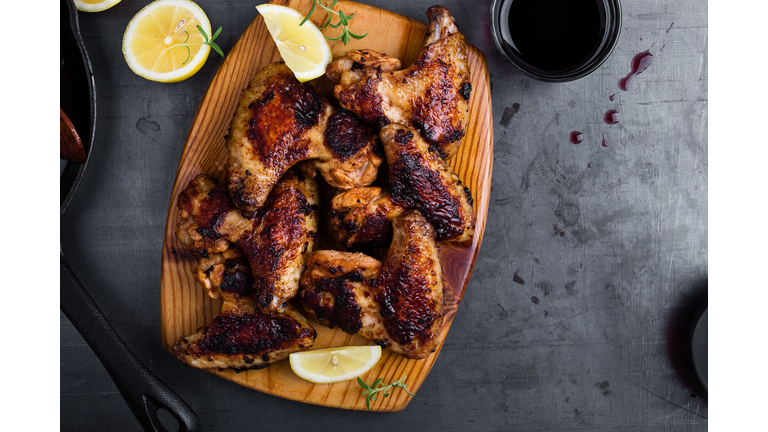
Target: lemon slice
column 332, row 365
column 303, row 47
column 95, row 5
column 152, row 44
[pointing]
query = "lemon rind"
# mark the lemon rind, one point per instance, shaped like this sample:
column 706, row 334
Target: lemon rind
column 85, row 7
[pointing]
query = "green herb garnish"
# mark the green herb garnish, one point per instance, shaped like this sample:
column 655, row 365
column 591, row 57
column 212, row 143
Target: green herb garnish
column 211, row 42
column 343, row 20
column 370, row 391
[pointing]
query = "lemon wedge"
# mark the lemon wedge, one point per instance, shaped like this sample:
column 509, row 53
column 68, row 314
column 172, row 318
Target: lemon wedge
column 162, row 42
column 332, row 365
column 303, row 47
column 94, row 5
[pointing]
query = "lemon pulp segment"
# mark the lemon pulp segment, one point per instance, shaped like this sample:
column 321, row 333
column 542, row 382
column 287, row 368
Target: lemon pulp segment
column 157, row 40
column 303, row 47
column 296, row 40
column 335, row 364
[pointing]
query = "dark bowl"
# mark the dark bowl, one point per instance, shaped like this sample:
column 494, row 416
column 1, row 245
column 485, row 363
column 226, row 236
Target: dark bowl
column 700, row 345
column 612, row 10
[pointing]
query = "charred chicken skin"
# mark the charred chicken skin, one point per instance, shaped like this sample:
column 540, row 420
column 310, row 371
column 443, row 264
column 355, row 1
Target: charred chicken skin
column 397, row 304
column 276, row 239
column 240, row 338
column 280, row 122
column 420, row 179
column 431, row 94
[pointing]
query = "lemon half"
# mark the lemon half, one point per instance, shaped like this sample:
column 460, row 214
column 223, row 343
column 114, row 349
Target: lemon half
column 303, row 47
column 152, row 44
column 332, row 365
column 94, row 5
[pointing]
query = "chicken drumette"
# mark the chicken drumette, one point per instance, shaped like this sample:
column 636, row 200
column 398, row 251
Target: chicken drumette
column 240, row 338
column 431, row 94
column 419, row 179
column 276, row 239
column 397, row 304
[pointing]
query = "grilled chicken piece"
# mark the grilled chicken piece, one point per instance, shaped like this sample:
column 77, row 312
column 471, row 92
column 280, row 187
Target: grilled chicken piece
column 276, row 239
column 336, row 292
column 354, row 64
column 420, row 179
column 431, row 94
column 280, row 122
column 362, row 217
column 240, row 338
column 398, row 304
column 212, row 268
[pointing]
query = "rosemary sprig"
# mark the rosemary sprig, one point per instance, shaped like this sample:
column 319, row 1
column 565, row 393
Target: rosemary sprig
column 370, row 391
column 344, row 20
column 211, row 42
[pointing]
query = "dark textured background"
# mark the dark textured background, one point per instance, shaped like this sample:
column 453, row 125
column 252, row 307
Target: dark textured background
column 611, row 241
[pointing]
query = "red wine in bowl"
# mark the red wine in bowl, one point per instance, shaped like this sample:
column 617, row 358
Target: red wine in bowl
column 556, row 40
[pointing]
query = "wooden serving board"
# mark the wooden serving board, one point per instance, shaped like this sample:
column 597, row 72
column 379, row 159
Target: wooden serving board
column 185, row 307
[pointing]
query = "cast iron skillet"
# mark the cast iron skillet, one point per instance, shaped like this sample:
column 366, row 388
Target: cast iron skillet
column 143, row 391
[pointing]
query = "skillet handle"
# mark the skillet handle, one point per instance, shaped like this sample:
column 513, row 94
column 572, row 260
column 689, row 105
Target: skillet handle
column 141, row 389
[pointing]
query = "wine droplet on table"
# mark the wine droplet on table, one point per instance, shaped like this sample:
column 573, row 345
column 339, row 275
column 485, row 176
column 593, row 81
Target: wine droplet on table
column 611, row 117
column 576, row 137
column 640, row 62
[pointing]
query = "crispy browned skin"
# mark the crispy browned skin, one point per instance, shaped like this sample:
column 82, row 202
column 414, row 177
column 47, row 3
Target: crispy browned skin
column 280, row 122
column 362, row 217
column 240, row 338
column 335, row 291
column 398, row 304
column 410, row 287
column 420, row 179
column 276, row 239
column 431, row 94
column 212, row 268
column 350, row 68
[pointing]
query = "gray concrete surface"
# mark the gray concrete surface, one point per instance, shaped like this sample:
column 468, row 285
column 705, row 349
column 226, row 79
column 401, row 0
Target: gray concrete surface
column 609, row 244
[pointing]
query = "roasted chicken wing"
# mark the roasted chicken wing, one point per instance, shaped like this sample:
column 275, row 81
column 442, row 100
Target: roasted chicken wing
column 397, row 304
column 280, row 122
column 431, row 94
column 419, row 179
column 276, row 238
column 240, row 338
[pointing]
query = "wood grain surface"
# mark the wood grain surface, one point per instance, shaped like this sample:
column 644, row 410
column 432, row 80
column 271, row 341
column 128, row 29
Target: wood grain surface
column 184, row 305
